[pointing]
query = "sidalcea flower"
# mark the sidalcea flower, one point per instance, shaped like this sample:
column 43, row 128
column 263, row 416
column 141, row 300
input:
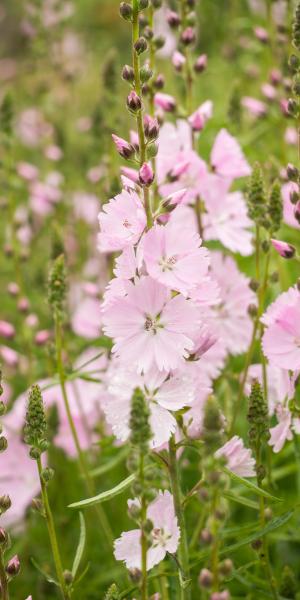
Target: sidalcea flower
column 227, row 158
column 165, row 101
column 146, row 175
column 281, row 339
column 173, row 257
column 150, row 327
column 283, row 248
column 239, row 459
column 163, row 394
column 287, row 191
column 86, row 318
column 122, row 221
column 281, row 432
column 164, row 536
column 255, row 107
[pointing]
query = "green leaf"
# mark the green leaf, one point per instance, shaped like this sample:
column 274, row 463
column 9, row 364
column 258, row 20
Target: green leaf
column 241, row 500
column 251, row 486
column 48, row 577
column 80, row 547
column 82, row 575
column 110, row 464
column 107, row 495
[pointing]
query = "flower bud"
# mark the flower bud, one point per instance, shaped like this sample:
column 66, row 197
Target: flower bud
column 42, row 337
column 151, row 128
column 134, row 102
column 173, row 19
column 188, row 36
column 152, row 150
column 156, row 3
column 159, row 82
column 143, row 4
column 126, row 11
column 125, row 149
column 146, row 175
column 205, row 578
column 5, row 503
column 68, row 577
column 297, row 212
column 2, row 409
column 148, row 33
column 140, row 45
column 128, row 73
column 47, row 474
column 292, row 172
column 283, row 248
column 23, row 305
column 200, row 64
column 226, row 567
column 135, row 575
column 165, row 101
column 294, row 63
column 206, row 536
column 13, row 566
column 178, row 60
column 4, row 538
column 292, row 107
column 145, row 73
column 225, row 595
column 3, row 443
column 13, row 288
column 159, row 41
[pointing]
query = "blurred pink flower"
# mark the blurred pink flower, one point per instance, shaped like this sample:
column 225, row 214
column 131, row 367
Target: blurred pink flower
column 86, row 318
column 239, row 459
column 289, row 208
column 122, row 221
column 227, row 158
column 281, row 339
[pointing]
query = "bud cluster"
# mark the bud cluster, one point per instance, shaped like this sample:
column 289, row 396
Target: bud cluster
column 57, row 286
column 35, row 429
column 258, row 420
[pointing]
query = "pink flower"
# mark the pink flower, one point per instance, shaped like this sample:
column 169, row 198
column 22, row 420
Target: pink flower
column 283, row 248
column 165, row 101
column 86, row 319
column 174, row 257
column 227, row 220
column 164, row 396
column 86, row 207
column 282, row 431
column 255, row 107
column 122, row 221
column 7, row 330
column 239, row 459
column 150, row 327
column 164, row 536
column 27, row 171
column 227, row 158
column 281, row 340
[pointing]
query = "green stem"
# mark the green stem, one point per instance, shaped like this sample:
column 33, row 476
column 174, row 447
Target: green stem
column 139, row 116
column 52, row 535
column 81, row 457
column 215, row 544
column 3, row 578
column 144, row 591
column 183, row 552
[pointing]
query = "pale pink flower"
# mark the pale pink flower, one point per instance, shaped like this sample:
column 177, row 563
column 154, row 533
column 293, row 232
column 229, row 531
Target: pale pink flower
column 281, row 339
column 86, row 318
column 86, row 207
column 165, row 535
column 291, row 136
column 53, row 152
column 239, row 459
column 289, row 208
column 9, row 356
column 164, row 396
column 150, row 327
column 227, row 221
column 165, row 101
column 27, row 171
column 269, row 91
column 32, row 128
column 227, row 158
column 44, row 195
column 282, row 431
column 7, row 330
column 122, row 221
column 174, row 257
column 230, row 318
column 199, row 118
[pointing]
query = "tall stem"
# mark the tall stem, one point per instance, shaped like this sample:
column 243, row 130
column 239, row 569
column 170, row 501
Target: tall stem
column 81, row 457
column 3, row 579
column 183, row 552
column 144, row 591
column 139, row 115
column 52, row 535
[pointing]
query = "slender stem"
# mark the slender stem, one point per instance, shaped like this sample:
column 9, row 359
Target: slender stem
column 215, row 544
column 3, row 579
column 52, row 534
column 144, row 591
column 81, row 457
column 183, row 552
column 151, row 59
column 139, row 115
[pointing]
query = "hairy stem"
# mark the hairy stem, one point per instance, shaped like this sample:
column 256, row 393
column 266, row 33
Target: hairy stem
column 144, row 591
column 3, row 579
column 52, row 535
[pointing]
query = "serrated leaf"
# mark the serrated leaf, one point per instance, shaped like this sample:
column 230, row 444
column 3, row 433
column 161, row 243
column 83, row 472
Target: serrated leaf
column 80, row 547
column 251, row 486
column 107, row 495
column 48, row 577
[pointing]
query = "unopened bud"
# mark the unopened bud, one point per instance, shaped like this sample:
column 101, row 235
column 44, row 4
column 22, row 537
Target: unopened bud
column 292, row 107
column 173, row 19
column 292, row 172
column 68, row 577
column 128, row 73
column 134, row 102
column 205, row 578
column 3, row 537
column 159, row 82
column 146, row 175
column 140, row 45
column 206, row 536
column 135, row 575
column 283, row 248
column 200, row 64
column 47, row 474
column 226, row 567
column 5, row 503
column 13, row 566
column 145, row 73
column 125, row 11
column 159, row 41
column 188, row 36
column 3, row 443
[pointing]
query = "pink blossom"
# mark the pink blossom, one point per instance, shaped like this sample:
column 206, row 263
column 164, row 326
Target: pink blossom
column 227, row 158
column 86, row 318
column 7, row 330
column 27, row 171
column 282, row 431
column 44, row 196
column 164, row 536
column 239, row 459
column 150, row 327
column 175, row 259
column 53, row 152
column 122, row 221
column 86, row 207
column 164, row 396
column 269, row 91
column 32, row 128
column 9, row 356
column 281, row 339
column 291, row 136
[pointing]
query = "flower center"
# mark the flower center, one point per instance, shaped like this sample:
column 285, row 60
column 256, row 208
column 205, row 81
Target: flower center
column 126, row 224
column 152, row 323
column 160, row 537
column 168, row 263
